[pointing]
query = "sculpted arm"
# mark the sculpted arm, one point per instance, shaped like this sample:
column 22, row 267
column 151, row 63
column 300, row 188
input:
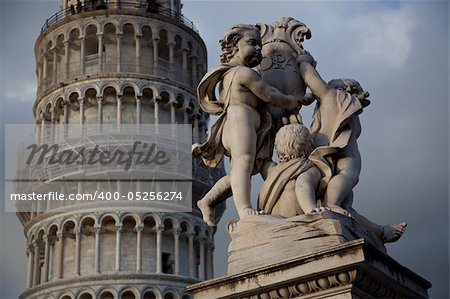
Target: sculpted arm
column 313, row 80
column 265, row 92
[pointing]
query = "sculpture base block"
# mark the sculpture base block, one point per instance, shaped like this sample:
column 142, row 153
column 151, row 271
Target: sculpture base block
column 262, row 240
column 354, row 269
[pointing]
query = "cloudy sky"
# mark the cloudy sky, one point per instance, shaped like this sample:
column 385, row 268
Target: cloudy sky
column 397, row 50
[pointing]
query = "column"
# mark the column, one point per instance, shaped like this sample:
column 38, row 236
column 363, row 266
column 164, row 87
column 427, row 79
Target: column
column 171, row 56
column 159, row 231
column 185, row 116
column 155, row 54
column 176, row 242
column 191, row 254
column 39, row 76
column 156, row 108
column 201, row 270
column 44, row 67
column 139, row 229
column 42, row 127
column 37, row 133
column 99, row 110
column 66, row 118
column 51, row 258
column 184, row 54
column 81, row 102
column 30, row 255
column 119, row 52
column 173, row 117
column 97, row 228
column 100, row 52
column 66, row 114
column 119, row 109
column 194, row 70
column 118, row 233
column 36, row 263
column 82, row 47
column 60, row 236
column 52, row 125
column 46, row 258
column 66, row 59
column 138, row 110
column 195, row 135
column 138, row 53
column 77, row 250
column 55, row 60
column 209, row 260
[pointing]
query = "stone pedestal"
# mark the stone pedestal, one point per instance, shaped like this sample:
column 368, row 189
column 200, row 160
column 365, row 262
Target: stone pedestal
column 323, row 255
column 351, row 270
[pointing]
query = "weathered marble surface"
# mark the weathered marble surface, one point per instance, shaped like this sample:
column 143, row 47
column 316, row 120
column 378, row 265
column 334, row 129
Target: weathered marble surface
column 353, row 270
column 265, row 239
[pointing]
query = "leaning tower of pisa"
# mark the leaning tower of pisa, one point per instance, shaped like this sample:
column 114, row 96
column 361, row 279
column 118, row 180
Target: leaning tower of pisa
column 123, row 62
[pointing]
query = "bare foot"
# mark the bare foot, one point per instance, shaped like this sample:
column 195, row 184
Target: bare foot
column 247, row 212
column 340, row 210
column 207, row 212
column 393, row 232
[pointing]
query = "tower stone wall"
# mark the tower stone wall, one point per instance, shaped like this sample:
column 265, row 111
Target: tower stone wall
column 117, row 63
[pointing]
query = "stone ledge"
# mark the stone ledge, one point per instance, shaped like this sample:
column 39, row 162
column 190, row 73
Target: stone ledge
column 350, row 270
column 266, row 240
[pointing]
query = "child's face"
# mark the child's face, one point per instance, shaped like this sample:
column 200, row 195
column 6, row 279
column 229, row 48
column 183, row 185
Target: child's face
column 249, row 53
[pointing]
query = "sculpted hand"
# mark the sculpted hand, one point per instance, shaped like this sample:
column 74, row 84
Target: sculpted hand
column 308, row 99
column 305, row 56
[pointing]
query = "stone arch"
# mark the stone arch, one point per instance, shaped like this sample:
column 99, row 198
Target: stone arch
column 90, row 102
column 129, row 84
column 66, row 295
column 110, row 31
column 54, row 242
column 163, row 50
column 150, row 223
column 109, row 103
column 112, row 85
column 73, row 60
column 68, row 229
column 60, row 55
column 147, row 105
column 129, row 293
column 87, row 244
column 147, row 51
column 171, row 294
column 111, row 22
column 134, row 215
column 107, row 293
column 86, row 294
column 109, row 223
column 58, row 105
column 74, row 106
column 151, row 293
column 128, row 107
column 92, row 22
column 148, row 92
column 128, row 241
column 128, row 44
column 91, row 42
column 165, row 96
column 170, row 224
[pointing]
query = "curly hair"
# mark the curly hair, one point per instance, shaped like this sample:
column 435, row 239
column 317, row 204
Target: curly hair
column 352, row 87
column 231, row 38
column 293, row 141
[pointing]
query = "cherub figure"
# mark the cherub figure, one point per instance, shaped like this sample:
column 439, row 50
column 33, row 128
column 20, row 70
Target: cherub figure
column 335, row 130
column 290, row 187
column 244, row 115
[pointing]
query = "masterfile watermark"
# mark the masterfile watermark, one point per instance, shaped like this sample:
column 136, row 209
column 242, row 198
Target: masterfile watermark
column 53, row 166
column 144, row 153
